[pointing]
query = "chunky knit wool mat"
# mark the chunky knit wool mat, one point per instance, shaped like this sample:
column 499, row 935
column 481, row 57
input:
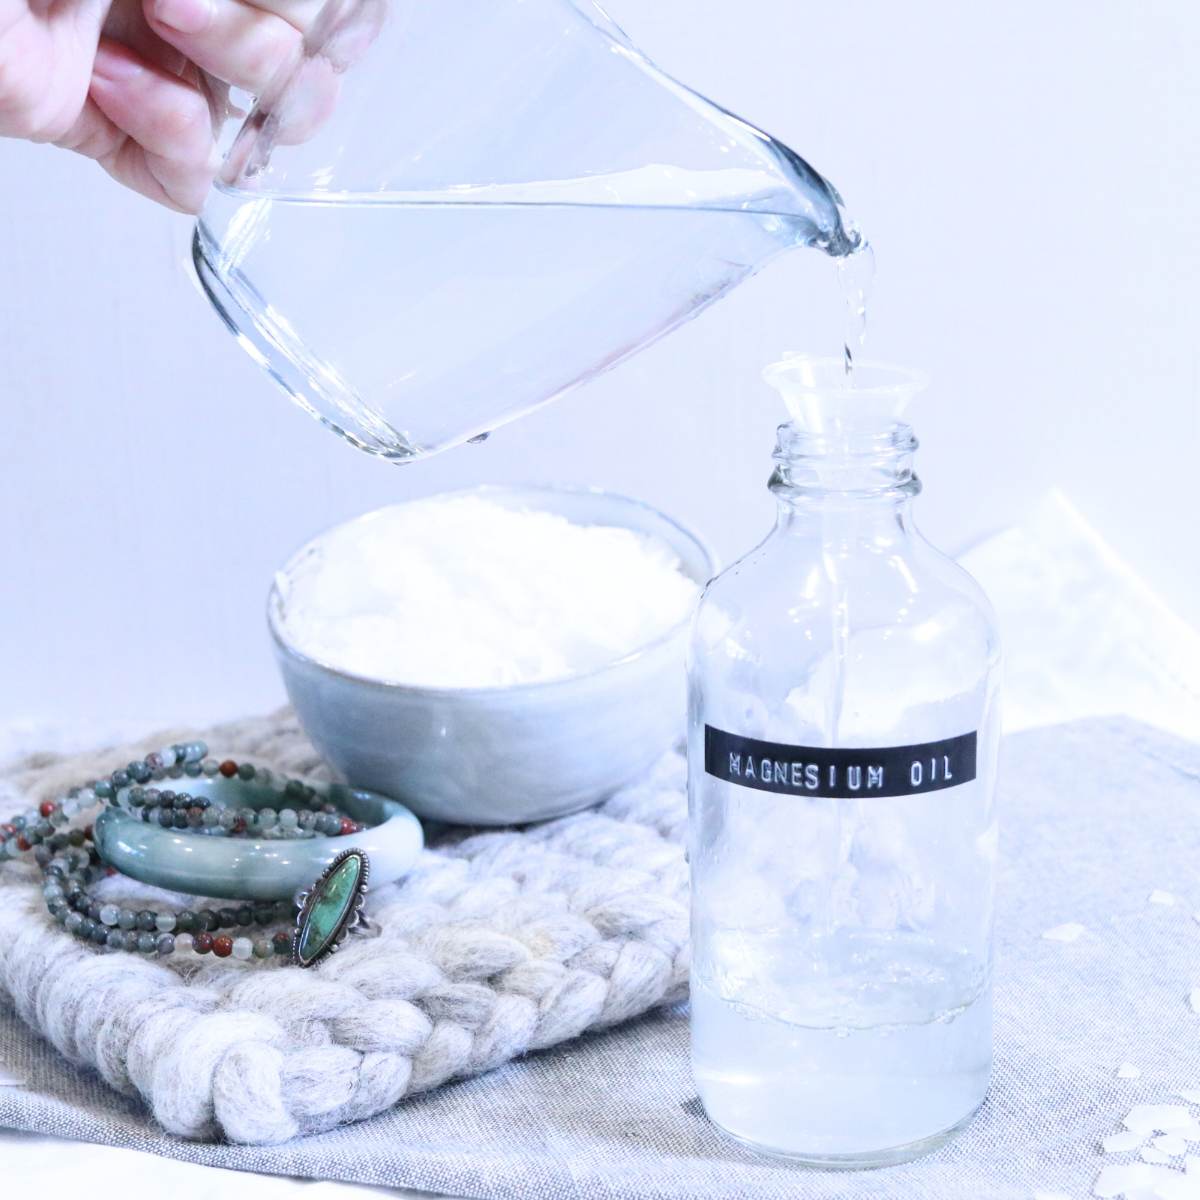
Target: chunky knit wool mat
column 498, row 943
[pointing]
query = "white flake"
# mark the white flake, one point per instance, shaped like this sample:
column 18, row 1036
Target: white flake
column 1064, row 933
column 1170, row 1143
column 1128, row 1071
column 1191, row 1095
column 1179, row 1187
column 1194, row 1000
column 1191, row 1165
column 1196, row 917
column 1118, row 1143
column 1051, row 1196
column 1189, row 1133
column 1158, row 896
column 1137, row 1179
column 1154, row 1156
column 1157, row 1118
column 7, row 1080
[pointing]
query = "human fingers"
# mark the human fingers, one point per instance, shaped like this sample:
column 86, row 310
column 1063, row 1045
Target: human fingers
column 167, row 151
column 233, row 41
column 301, row 100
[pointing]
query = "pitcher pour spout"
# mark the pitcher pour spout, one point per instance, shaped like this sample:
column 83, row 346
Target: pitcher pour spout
column 830, row 229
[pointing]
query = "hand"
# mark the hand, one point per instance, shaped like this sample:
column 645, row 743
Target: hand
column 140, row 85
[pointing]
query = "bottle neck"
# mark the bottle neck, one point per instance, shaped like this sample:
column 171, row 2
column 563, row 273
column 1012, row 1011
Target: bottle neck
column 855, row 479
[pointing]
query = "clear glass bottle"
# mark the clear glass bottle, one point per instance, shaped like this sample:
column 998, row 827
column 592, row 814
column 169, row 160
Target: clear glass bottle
column 843, row 727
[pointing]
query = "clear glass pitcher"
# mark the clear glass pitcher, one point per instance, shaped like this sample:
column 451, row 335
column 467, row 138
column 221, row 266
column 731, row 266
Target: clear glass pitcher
column 445, row 214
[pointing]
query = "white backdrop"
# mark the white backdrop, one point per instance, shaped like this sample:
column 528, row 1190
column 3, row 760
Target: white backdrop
column 1028, row 173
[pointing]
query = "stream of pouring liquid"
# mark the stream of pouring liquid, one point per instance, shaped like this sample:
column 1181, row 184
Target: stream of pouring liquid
column 856, row 275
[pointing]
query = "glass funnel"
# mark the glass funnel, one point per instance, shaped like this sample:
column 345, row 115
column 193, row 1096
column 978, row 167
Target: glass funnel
column 443, row 215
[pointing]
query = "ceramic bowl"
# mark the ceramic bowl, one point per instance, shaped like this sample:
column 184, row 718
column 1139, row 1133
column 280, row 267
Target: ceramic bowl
column 511, row 754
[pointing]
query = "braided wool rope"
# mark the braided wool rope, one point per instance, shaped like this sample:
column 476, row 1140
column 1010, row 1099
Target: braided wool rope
column 496, row 944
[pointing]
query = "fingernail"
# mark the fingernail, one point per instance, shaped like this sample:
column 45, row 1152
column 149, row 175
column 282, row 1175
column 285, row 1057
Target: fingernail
column 116, row 66
column 187, row 16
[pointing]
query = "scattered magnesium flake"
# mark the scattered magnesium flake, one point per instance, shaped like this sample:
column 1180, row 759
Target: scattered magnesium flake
column 1118, row 1143
column 1128, row 1071
column 1157, row 1118
column 1158, row 896
column 1191, row 1095
column 1194, row 999
column 1154, row 1156
column 1064, row 933
column 1142, row 1180
column 1170, row 1143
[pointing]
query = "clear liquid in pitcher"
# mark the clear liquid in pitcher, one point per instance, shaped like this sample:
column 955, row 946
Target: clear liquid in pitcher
column 468, row 301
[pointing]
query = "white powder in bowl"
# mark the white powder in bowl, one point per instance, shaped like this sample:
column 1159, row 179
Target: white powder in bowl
column 460, row 591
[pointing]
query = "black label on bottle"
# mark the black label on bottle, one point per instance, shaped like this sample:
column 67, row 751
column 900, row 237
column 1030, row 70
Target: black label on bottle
column 839, row 774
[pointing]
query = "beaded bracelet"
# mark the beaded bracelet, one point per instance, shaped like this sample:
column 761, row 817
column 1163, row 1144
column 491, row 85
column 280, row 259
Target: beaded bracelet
column 75, row 865
column 316, row 813
column 26, row 830
column 307, row 816
column 319, row 920
column 72, row 859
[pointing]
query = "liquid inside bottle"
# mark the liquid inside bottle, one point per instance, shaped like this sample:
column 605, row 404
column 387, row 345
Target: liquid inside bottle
column 856, row 1047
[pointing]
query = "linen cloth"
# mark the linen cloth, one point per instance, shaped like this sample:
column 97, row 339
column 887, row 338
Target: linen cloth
column 1096, row 816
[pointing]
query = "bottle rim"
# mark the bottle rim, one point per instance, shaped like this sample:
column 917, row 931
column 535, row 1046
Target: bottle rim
column 894, row 441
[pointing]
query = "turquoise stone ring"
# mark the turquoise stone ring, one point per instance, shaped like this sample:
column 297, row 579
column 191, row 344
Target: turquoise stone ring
column 331, row 909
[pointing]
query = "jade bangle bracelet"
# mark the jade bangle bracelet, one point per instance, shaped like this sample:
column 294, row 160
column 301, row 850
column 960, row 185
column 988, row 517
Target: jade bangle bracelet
column 242, row 869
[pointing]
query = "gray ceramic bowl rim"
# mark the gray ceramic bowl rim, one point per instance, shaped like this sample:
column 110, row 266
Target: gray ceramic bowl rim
column 275, row 600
